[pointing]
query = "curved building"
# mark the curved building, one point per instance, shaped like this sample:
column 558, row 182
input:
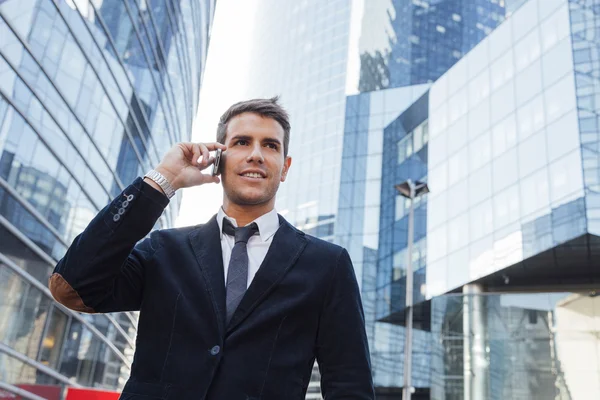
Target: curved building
column 92, row 93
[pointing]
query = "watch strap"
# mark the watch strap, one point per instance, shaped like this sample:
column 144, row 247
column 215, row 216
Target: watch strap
column 161, row 181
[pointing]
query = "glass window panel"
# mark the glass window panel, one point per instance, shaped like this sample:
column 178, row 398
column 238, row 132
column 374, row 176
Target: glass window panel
column 478, row 58
column 437, row 210
column 481, row 219
column 405, row 148
column 557, row 62
column 401, row 210
column 458, row 232
column 527, row 50
column 438, row 120
column 502, row 70
column 480, row 184
column 457, row 135
column 436, row 276
column 457, row 166
column 528, row 83
column 457, row 76
column 438, row 93
column 560, row 98
column 418, row 138
column 457, row 106
column 531, row 117
column 501, row 39
column 438, row 179
column 566, row 179
column 525, row 19
column 555, row 28
column 506, row 207
column 535, row 195
column 23, row 313
column 503, row 101
column 504, row 135
column 562, row 136
column 51, row 344
column 504, row 170
column 479, row 119
column 438, row 151
column 438, row 236
column 481, row 256
column 458, row 268
column 480, row 151
column 547, row 7
column 532, row 154
column 479, row 88
column 458, row 198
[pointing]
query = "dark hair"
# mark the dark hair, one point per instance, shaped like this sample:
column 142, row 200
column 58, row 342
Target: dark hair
column 268, row 108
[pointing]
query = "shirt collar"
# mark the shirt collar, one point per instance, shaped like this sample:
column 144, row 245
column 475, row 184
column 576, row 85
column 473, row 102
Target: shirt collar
column 267, row 223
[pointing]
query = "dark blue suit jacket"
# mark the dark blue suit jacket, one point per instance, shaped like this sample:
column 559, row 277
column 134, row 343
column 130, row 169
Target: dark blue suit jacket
column 303, row 303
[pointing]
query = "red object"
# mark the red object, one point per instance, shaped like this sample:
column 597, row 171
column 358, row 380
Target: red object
column 91, row 394
column 46, row 391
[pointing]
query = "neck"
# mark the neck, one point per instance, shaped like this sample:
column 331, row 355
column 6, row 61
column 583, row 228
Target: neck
column 244, row 214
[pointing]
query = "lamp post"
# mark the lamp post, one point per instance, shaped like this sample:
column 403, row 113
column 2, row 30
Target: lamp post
column 410, row 190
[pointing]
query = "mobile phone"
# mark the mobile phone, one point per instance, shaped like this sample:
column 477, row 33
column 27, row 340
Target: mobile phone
column 216, row 171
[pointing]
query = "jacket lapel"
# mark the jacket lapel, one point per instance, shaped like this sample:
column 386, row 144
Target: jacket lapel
column 285, row 249
column 206, row 243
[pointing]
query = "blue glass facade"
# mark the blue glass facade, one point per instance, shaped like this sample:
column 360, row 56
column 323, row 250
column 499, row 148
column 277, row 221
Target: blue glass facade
column 503, row 127
column 409, row 42
column 366, row 227
column 507, row 141
column 91, row 95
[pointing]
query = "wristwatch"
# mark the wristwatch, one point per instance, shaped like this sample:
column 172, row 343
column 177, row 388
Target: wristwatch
column 162, row 182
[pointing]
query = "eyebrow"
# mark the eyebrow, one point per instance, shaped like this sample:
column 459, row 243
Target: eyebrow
column 248, row 137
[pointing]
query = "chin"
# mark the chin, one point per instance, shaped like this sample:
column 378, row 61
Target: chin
column 249, row 197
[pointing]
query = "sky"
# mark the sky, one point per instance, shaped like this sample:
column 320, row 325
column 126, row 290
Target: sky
column 223, row 84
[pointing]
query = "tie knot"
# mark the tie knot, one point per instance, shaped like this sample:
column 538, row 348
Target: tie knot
column 241, row 234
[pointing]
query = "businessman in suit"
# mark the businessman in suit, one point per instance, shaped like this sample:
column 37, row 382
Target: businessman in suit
column 238, row 308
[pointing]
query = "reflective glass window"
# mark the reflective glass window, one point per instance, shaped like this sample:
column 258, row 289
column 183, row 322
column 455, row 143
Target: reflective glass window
column 504, row 170
column 503, row 101
column 562, row 136
column 532, row 154
column 52, row 340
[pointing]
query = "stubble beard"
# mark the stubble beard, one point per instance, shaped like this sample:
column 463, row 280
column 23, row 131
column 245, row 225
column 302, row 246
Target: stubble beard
column 239, row 198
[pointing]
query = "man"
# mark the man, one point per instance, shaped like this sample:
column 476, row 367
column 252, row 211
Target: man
column 234, row 309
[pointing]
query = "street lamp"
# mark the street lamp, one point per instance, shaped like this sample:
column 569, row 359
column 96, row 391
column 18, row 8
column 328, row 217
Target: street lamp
column 410, row 190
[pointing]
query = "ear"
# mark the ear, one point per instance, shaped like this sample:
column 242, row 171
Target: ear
column 286, row 166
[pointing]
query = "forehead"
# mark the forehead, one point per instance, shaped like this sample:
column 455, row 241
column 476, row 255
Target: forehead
column 255, row 125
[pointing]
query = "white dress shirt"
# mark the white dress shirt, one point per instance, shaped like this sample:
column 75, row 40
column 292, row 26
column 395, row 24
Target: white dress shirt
column 257, row 246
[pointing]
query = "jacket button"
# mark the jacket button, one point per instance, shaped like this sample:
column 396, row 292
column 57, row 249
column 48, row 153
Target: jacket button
column 121, row 211
column 116, row 217
column 125, row 204
column 215, row 350
column 130, row 197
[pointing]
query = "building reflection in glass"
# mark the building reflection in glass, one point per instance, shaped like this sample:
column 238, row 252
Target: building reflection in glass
column 92, row 93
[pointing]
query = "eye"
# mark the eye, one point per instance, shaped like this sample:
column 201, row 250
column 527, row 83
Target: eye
column 242, row 142
column 272, row 146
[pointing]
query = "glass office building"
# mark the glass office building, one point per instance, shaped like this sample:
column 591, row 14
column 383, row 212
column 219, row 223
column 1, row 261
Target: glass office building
column 300, row 52
column 92, row 93
column 314, row 54
column 410, row 42
column 505, row 245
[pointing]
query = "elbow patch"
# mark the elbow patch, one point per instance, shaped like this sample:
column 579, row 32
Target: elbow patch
column 66, row 295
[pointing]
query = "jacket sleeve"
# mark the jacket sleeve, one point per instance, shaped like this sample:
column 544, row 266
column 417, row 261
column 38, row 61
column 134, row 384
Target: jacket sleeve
column 103, row 269
column 342, row 347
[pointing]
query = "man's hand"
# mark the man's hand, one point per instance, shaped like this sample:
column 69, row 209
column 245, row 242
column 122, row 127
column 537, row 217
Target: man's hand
column 183, row 163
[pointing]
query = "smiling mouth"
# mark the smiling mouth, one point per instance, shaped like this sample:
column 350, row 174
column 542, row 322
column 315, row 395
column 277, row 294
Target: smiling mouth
column 254, row 175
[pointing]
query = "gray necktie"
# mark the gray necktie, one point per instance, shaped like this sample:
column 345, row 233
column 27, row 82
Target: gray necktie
column 237, row 273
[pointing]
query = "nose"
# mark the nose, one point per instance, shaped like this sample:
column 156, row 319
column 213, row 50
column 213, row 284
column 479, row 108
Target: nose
column 255, row 154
